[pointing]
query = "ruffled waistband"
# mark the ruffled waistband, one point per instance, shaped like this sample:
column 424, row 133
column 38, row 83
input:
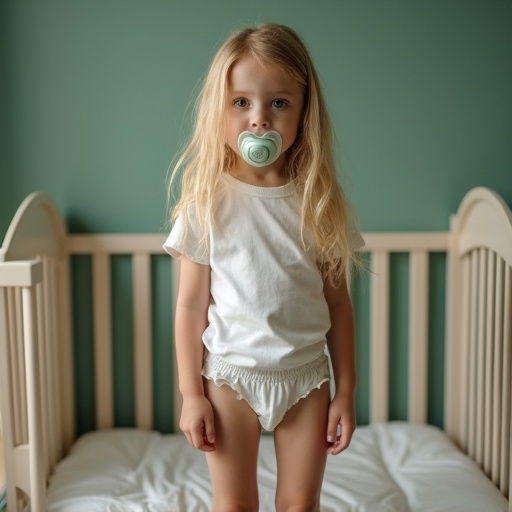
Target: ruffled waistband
column 215, row 366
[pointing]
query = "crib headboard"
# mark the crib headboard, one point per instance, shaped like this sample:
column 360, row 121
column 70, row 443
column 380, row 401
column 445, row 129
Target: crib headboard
column 479, row 332
column 35, row 346
column 38, row 368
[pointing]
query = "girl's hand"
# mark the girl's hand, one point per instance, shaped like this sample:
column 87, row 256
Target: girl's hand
column 197, row 424
column 341, row 423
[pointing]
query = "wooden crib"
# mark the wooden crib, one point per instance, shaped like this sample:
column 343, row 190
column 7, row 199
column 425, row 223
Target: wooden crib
column 38, row 371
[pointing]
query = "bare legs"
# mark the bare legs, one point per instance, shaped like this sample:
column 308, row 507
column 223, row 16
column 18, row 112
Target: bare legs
column 233, row 463
column 301, row 450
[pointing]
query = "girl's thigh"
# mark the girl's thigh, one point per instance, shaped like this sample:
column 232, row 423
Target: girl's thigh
column 301, row 451
column 233, row 464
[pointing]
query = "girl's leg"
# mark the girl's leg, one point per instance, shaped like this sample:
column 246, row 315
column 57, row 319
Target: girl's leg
column 301, row 451
column 233, row 463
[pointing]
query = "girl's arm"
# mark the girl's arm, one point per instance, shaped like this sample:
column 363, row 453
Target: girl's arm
column 191, row 321
column 341, row 344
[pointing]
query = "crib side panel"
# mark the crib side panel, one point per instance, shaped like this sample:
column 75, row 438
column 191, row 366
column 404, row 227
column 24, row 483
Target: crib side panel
column 479, row 333
column 37, row 408
column 111, row 409
column 127, row 353
column 416, row 251
column 20, row 344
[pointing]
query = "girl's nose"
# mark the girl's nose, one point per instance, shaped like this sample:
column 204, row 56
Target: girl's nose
column 259, row 118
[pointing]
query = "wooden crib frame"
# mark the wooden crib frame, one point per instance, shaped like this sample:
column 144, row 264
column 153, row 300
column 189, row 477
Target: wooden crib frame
column 36, row 363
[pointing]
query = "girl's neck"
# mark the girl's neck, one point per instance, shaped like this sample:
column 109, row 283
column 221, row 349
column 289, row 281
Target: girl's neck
column 273, row 175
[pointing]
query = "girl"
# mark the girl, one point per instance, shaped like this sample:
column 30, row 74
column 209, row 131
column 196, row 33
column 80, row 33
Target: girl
column 266, row 246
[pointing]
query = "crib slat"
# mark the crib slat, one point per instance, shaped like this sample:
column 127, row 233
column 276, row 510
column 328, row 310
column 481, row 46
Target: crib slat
column 497, row 372
column 102, row 341
column 488, row 342
column 37, row 484
column 65, row 355
column 57, row 342
column 506, row 393
column 142, row 340
column 55, row 431
column 480, row 358
column 418, row 337
column 42, row 363
column 462, row 400
column 8, row 386
column 15, row 347
column 457, row 346
column 178, row 400
column 472, row 372
column 379, row 337
column 18, row 361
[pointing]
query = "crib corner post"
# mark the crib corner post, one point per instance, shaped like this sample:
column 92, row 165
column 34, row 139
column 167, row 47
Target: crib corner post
column 452, row 406
column 6, row 394
column 24, row 448
column 36, row 452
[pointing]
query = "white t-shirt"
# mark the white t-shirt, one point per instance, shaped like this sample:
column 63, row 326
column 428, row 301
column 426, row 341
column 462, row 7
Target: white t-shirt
column 267, row 307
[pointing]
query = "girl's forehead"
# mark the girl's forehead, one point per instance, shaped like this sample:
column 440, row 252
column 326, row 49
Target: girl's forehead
column 250, row 71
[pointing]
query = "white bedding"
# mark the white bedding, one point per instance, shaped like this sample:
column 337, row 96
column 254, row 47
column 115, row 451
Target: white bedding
column 388, row 467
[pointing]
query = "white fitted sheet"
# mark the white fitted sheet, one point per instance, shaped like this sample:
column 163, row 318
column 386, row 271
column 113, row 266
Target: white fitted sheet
column 388, row 467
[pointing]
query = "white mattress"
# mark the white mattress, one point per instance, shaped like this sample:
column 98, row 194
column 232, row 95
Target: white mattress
column 388, row 467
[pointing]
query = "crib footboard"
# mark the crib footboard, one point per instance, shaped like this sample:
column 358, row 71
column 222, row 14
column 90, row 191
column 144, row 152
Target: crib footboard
column 35, row 351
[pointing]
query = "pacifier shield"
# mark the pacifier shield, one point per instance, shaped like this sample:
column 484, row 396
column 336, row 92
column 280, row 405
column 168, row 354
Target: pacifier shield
column 260, row 151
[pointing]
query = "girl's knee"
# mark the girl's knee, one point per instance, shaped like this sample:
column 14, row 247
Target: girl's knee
column 297, row 502
column 229, row 504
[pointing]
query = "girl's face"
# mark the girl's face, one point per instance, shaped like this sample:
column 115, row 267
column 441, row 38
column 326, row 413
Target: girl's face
column 262, row 98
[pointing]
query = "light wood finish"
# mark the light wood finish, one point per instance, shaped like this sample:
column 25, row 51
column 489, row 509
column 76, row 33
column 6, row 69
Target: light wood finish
column 142, row 340
column 379, row 337
column 102, row 318
column 418, row 337
column 99, row 243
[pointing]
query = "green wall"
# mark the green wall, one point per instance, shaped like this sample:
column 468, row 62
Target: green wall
column 95, row 96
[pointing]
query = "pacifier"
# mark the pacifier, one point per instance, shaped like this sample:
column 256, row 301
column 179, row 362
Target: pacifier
column 260, row 151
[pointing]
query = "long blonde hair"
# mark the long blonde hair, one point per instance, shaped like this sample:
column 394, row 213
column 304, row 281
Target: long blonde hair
column 310, row 164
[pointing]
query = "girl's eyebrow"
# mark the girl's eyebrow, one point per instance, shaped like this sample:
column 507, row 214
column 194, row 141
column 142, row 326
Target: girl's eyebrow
column 283, row 92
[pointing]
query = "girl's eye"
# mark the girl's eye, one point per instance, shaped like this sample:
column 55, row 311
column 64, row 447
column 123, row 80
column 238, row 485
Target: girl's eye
column 240, row 103
column 279, row 103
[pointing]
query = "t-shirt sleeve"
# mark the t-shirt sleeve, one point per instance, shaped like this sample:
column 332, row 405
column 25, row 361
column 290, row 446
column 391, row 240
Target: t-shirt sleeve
column 185, row 240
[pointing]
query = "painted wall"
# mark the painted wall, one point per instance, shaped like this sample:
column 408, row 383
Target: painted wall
column 95, row 97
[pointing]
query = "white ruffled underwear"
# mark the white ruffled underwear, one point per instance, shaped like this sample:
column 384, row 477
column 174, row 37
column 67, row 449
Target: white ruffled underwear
column 270, row 393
